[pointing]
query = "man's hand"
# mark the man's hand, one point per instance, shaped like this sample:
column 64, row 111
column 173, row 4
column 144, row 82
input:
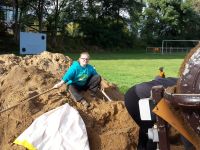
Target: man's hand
column 58, row 85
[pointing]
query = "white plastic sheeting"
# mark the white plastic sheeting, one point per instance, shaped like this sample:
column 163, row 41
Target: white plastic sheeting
column 58, row 129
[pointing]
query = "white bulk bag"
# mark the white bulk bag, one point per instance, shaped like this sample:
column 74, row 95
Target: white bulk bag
column 59, row 129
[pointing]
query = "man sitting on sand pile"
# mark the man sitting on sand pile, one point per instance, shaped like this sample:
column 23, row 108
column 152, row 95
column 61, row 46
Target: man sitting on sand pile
column 81, row 76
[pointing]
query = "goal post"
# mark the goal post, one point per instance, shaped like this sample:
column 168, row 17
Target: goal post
column 168, row 48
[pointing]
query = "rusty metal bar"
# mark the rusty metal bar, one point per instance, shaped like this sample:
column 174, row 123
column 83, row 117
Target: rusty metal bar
column 157, row 95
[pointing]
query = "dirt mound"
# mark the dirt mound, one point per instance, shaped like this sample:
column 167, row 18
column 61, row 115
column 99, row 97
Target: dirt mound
column 108, row 124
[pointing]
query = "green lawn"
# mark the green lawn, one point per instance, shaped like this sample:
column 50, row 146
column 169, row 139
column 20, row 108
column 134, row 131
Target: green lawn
column 127, row 69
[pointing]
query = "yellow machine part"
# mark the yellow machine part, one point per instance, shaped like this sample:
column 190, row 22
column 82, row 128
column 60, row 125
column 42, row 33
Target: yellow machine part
column 163, row 110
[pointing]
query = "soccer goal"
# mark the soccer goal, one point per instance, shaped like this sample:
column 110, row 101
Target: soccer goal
column 173, row 46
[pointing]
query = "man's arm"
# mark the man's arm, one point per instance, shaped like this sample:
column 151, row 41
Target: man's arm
column 69, row 75
column 67, row 78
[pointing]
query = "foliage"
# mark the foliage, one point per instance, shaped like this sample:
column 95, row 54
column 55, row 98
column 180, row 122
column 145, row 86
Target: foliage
column 105, row 33
column 107, row 23
column 195, row 5
column 169, row 19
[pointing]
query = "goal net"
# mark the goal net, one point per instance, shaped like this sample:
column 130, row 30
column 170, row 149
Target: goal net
column 173, row 46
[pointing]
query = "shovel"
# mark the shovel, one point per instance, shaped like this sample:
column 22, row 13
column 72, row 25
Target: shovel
column 25, row 100
column 104, row 93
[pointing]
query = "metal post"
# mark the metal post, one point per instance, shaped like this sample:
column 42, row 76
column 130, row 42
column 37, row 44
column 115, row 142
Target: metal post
column 157, row 94
column 162, row 45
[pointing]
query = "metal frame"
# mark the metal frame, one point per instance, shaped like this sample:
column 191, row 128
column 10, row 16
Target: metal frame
column 163, row 41
column 157, row 95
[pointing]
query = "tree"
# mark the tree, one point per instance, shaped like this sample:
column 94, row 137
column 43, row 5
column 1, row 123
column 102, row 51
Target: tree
column 196, row 5
column 108, row 26
column 168, row 19
column 16, row 27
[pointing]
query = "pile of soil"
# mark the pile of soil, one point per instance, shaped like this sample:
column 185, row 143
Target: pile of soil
column 108, row 124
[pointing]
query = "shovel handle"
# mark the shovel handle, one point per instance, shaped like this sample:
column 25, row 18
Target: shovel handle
column 26, row 99
column 103, row 92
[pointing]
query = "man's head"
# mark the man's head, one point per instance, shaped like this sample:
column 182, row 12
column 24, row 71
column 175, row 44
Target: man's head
column 161, row 68
column 84, row 58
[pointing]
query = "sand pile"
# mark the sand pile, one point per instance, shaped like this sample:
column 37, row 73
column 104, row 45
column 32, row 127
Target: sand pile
column 108, row 124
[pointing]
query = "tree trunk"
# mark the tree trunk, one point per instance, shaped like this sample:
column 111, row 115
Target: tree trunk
column 54, row 37
column 16, row 23
column 40, row 14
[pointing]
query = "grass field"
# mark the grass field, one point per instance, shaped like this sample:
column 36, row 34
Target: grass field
column 127, row 69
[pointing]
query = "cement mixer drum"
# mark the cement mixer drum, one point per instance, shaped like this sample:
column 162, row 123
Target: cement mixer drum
column 189, row 83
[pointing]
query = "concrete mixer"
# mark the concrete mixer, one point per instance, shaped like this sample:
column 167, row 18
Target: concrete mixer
column 179, row 106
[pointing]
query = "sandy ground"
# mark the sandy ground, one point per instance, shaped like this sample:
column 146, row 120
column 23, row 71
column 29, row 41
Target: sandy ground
column 108, row 124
